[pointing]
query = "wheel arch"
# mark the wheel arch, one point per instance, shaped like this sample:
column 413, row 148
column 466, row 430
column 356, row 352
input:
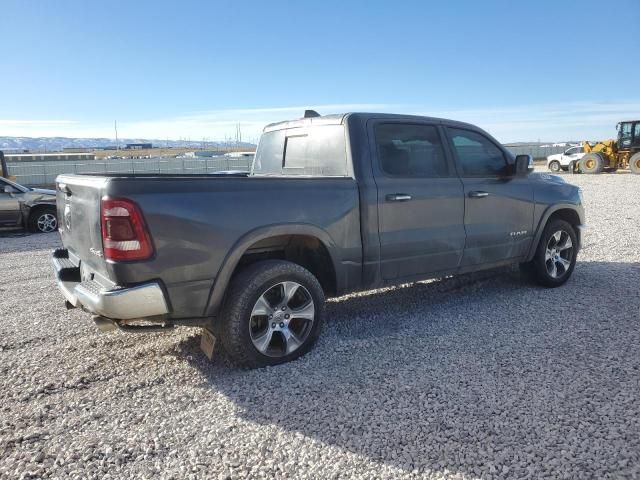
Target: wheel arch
column 35, row 208
column 287, row 242
column 567, row 212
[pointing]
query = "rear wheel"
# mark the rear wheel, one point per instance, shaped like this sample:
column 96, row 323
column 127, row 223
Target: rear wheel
column 43, row 220
column 634, row 163
column 592, row 163
column 555, row 256
column 273, row 313
column 554, row 166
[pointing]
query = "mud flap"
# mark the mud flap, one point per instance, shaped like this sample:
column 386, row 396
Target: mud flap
column 207, row 343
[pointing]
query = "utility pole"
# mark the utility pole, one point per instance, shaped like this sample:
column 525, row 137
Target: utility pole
column 238, row 135
column 115, row 126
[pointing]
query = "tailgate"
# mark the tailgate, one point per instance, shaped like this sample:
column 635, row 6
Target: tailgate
column 78, row 200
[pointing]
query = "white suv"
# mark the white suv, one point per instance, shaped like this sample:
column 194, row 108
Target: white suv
column 562, row 160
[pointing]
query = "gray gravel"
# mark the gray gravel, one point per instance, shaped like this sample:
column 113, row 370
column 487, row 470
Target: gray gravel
column 476, row 377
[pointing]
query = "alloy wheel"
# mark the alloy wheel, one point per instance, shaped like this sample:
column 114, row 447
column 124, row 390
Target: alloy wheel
column 47, row 222
column 282, row 319
column 559, row 254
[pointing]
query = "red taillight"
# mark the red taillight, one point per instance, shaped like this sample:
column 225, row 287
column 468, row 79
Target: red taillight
column 124, row 234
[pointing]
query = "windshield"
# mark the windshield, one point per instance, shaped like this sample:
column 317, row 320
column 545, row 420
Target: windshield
column 4, row 181
column 625, row 134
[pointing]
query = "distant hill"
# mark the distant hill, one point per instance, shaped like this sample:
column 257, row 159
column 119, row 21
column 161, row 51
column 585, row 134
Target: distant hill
column 56, row 144
column 538, row 144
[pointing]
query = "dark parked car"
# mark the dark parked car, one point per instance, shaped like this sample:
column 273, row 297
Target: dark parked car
column 31, row 208
column 332, row 204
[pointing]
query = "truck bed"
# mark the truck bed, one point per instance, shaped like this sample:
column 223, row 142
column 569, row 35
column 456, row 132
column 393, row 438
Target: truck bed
column 197, row 221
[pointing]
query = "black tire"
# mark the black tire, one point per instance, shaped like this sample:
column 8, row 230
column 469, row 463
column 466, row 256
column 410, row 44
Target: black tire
column 574, row 167
column 236, row 321
column 634, row 163
column 555, row 166
column 592, row 163
column 43, row 220
column 538, row 269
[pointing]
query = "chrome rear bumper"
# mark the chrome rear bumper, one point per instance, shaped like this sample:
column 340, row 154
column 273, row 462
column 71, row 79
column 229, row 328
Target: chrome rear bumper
column 118, row 303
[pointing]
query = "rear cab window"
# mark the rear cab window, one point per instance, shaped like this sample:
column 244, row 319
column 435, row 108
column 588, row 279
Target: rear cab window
column 315, row 150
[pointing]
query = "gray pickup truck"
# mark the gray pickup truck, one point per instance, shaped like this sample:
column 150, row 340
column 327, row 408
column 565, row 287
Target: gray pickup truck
column 332, row 204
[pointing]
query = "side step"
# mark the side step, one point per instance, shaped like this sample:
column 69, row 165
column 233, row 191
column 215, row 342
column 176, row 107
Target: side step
column 64, row 268
column 105, row 324
column 108, row 325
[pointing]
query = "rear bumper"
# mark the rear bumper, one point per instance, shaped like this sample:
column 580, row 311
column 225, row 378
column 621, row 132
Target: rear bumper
column 118, row 303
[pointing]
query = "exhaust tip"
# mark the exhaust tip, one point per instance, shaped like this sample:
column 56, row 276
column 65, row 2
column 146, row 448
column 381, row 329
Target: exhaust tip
column 104, row 324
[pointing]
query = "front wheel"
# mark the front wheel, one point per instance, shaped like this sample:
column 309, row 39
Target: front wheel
column 592, row 163
column 43, row 220
column 555, row 256
column 272, row 314
column 554, row 166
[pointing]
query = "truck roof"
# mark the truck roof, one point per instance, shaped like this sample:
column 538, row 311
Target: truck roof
column 341, row 118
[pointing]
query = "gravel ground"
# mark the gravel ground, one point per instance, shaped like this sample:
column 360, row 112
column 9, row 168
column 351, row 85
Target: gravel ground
column 481, row 376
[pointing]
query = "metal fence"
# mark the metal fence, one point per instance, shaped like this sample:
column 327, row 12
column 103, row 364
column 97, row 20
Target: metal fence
column 536, row 151
column 44, row 173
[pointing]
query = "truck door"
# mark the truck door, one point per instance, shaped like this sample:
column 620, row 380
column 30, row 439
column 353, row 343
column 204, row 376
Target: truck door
column 498, row 215
column 420, row 200
column 9, row 205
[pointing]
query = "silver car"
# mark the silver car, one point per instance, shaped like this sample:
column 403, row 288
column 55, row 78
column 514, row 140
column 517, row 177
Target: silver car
column 30, row 208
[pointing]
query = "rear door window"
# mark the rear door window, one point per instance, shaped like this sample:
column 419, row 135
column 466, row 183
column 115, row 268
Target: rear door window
column 410, row 150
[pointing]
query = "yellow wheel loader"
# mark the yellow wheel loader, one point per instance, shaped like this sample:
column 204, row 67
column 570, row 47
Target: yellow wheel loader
column 4, row 172
column 617, row 154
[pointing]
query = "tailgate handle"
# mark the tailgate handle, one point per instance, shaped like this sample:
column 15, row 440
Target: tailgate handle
column 64, row 189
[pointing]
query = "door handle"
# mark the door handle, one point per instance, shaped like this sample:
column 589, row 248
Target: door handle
column 478, row 194
column 398, row 197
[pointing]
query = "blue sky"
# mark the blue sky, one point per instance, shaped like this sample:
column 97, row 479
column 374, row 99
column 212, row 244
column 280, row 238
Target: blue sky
column 193, row 69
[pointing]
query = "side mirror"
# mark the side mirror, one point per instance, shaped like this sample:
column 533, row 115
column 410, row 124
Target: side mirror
column 9, row 189
column 524, row 164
